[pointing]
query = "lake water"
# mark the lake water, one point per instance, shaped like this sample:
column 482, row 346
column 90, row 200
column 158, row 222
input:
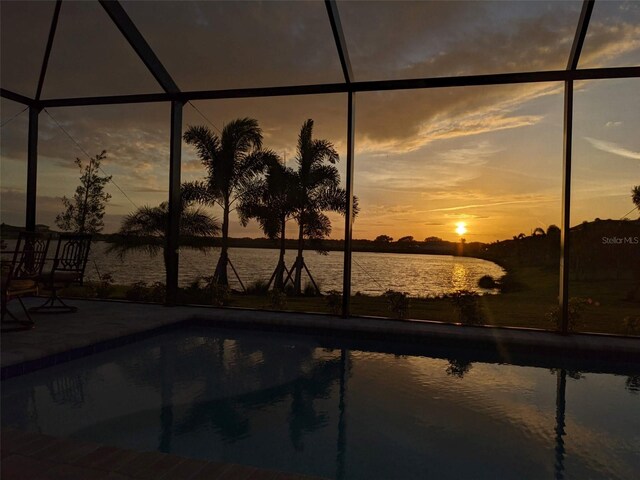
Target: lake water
column 372, row 273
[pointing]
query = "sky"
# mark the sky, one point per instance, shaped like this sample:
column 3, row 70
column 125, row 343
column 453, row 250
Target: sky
column 425, row 159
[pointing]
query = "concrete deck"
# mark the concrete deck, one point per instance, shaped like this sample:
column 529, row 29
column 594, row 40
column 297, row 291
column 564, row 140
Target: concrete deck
column 35, row 456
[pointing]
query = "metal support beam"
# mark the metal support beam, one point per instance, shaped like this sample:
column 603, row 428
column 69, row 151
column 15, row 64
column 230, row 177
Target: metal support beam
column 581, row 33
column 16, row 97
column 565, row 231
column 338, row 36
column 139, row 44
column 175, row 202
column 329, row 88
column 47, row 51
column 348, row 218
column 32, row 169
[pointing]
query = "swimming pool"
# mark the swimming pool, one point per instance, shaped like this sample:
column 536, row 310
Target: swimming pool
column 333, row 409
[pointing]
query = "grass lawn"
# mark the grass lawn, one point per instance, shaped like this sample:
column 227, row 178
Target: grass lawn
column 528, row 305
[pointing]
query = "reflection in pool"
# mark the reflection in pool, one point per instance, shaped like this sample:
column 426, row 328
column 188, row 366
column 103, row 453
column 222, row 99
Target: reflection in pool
column 295, row 404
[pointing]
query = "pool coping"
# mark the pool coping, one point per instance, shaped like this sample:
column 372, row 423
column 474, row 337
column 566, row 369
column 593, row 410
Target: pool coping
column 506, row 340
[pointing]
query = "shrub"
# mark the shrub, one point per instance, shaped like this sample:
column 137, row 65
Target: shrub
column 576, row 307
column 259, row 287
column 309, row 290
column 487, row 281
column 458, row 368
column 333, row 300
column 398, row 303
column 278, row 299
column 632, row 324
column 157, row 293
column 104, row 286
column 469, row 309
column 136, row 292
column 220, row 294
column 141, row 292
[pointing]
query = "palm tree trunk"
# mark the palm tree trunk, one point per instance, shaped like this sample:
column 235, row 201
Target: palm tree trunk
column 279, row 278
column 220, row 275
column 297, row 285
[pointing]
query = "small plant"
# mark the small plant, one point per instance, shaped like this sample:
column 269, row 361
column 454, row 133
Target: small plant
column 309, row 290
column 458, row 368
column 469, row 309
column 278, row 299
column 333, row 300
column 398, row 303
column 576, row 307
column 259, row 287
column 220, row 293
column 633, row 384
column 632, row 324
column 141, row 292
column 157, row 293
column 104, row 286
column 137, row 291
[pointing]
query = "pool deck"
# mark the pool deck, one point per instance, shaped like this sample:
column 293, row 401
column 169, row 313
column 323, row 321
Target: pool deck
column 34, row 456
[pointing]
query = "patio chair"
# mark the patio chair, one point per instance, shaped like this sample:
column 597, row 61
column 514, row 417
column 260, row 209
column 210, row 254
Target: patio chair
column 69, row 263
column 20, row 276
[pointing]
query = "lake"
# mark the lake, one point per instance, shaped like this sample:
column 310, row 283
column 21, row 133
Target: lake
column 372, row 273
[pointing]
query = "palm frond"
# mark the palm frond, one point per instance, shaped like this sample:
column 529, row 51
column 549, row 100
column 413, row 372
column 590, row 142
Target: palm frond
column 205, row 141
column 198, row 192
column 241, row 136
column 194, row 222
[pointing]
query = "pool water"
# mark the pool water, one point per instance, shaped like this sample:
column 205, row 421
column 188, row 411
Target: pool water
column 292, row 403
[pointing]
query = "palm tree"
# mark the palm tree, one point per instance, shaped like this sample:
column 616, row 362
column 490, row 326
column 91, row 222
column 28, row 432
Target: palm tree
column 316, row 189
column 232, row 160
column 145, row 230
column 270, row 202
column 635, row 196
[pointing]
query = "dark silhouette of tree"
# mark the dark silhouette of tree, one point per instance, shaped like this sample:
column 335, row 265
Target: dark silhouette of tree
column 269, row 201
column 383, row 239
column 145, row 230
column 458, row 367
column 635, row 196
column 553, row 230
column 407, row 239
column 84, row 212
column 232, row 160
column 432, row 239
column 539, row 231
column 316, row 190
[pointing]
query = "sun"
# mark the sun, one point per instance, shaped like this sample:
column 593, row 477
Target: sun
column 461, row 228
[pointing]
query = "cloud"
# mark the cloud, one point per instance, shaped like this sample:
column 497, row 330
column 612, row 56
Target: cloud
column 533, row 199
column 612, row 148
column 464, row 215
column 613, row 124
